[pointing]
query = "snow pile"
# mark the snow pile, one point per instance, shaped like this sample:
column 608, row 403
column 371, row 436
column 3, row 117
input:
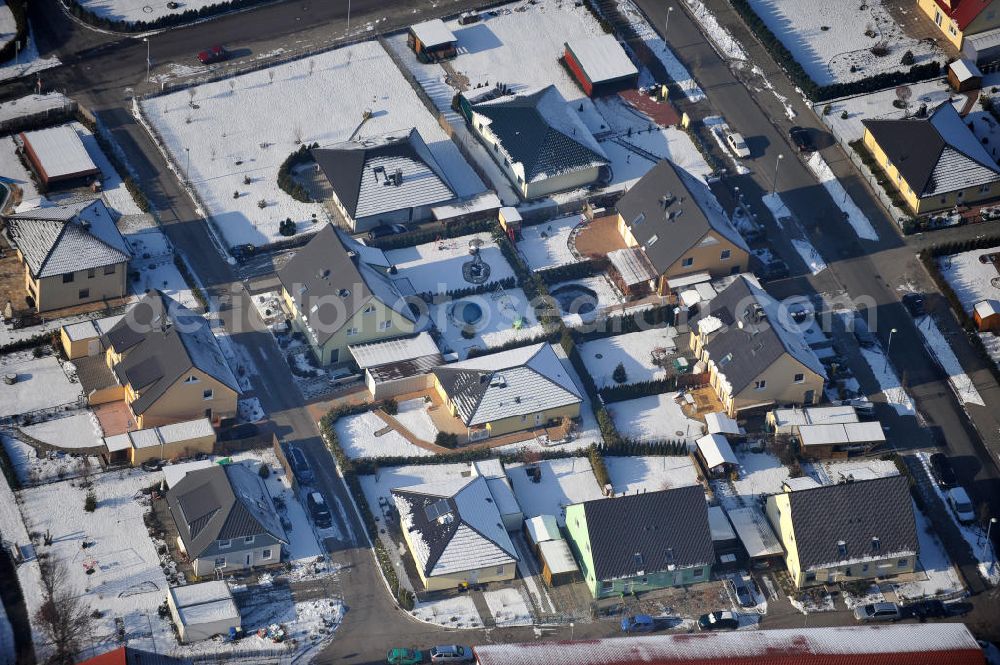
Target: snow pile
column 939, row 347
column 855, row 217
column 654, row 418
column 724, row 42
column 367, row 435
column 895, row 394
column 508, row 607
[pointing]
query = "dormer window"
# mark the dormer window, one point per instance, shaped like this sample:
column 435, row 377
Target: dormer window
column 842, row 549
column 876, row 545
column 224, row 544
column 192, row 379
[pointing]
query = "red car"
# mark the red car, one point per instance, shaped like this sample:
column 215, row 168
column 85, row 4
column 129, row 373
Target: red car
column 214, row 54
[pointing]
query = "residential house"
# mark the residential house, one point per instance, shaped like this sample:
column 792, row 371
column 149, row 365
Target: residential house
column 387, row 179
column 959, row 19
column 455, row 533
column 508, row 391
column 600, row 65
column 338, row 299
column 168, row 364
column 72, row 254
column 935, row 163
column 538, row 140
column 432, row 41
column 225, row 520
column 674, row 223
column 57, row 155
column 852, row 531
column 755, row 358
column 640, row 542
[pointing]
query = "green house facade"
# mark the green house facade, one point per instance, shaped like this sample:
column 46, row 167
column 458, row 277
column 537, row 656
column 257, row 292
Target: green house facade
column 641, row 542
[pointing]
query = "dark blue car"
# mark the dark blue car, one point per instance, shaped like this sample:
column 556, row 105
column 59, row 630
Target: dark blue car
column 640, row 623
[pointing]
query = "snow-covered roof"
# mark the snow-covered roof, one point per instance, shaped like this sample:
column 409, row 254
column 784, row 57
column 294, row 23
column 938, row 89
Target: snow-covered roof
column 965, row 69
column 754, row 532
column 950, row 642
column 207, row 602
column 542, row 528
column 521, row 381
column 433, row 33
column 510, row 213
column 841, row 433
column 633, row 266
column 186, row 430
column 721, row 423
column 77, row 332
column 800, row 483
column 478, row 203
column 558, row 557
column 987, row 308
column 788, row 419
column 118, row 442
column 60, row 152
column 172, row 473
column 602, row 58
column 719, row 524
column 709, row 324
column 394, row 350
column 715, row 450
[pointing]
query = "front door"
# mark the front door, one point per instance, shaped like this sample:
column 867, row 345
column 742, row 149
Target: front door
column 809, row 397
column 249, row 559
column 208, row 413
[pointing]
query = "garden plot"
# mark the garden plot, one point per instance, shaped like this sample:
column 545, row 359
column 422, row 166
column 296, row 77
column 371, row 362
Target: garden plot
column 437, row 267
column 833, row 40
column 653, row 419
column 367, row 435
column 457, row 612
column 972, row 276
column 941, row 349
column 940, row 576
column 639, row 353
column 581, row 301
column 879, row 106
column 634, row 475
column 759, row 474
column 547, row 245
column 280, row 109
column 508, row 607
column 41, row 384
column 500, row 317
column 562, row 482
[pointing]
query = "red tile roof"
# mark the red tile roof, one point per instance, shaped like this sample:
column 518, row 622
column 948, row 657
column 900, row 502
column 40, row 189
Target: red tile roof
column 963, row 12
column 116, row 657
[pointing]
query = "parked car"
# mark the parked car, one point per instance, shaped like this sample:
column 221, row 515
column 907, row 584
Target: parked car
column 451, row 653
column 862, row 333
column 935, row 609
column 739, row 146
column 878, row 612
column 212, row 55
column 943, row 472
column 721, row 620
column 802, row 139
column 152, row 465
column 744, row 591
column 640, row 623
column 914, row 304
column 774, row 269
column 300, row 466
column 319, row 510
column 960, row 502
column 402, row 656
column 383, row 230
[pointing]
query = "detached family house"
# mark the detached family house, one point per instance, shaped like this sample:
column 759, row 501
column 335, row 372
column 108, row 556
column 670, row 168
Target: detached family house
column 72, row 254
column 676, row 232
column 935, row 163
column 640, row 542
column 538, row 140
column 754, row 357
column 337, row 299
column 388, row 179
column 508, row 391
column 225, row 520
column 958, row 20
column 852, row 531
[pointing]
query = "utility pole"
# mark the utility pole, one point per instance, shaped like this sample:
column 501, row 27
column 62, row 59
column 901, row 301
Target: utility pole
column 777, row 163
column 146, row 39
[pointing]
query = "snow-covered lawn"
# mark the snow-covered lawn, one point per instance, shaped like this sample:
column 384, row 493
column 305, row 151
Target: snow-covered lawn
column 941, row 349
column 41, row 384
column 457, row 612
column 367, row 435
column 854, row 215
column 940, row 577
column 970, row 277
column 506, row 317
column 413, row 416
column 80, row 430
column 508, row 607
column 829, row 39
column 379, row 486
column 28, row 61
column 279, row 109
column 895, row 394
column 113, row 189
column 8, row 27
column 12, row 171
column 563, row 481
column 546, row 245
column 760, row 473
column 31, row 469
column 830, row 472
column 878, row 105
column 436, row 267
column 633, row 475
column 654, row 418
column 32, row 104
column 634, row 350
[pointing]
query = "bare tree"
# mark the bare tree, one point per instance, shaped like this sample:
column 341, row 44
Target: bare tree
column 232, row 86
column 64, row 617
column 312, row 66
column 192, row 91
column 270, row 76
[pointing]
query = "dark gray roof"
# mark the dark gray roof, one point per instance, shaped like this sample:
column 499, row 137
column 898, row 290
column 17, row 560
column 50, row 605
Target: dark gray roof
column 542, row 132
column 162, row 340
column 324, row 269
column 222, row 502
column 669, row 211
column 60, row 239
column 755, row 333
column 666, row 528
column 935, row 154
column 855, row 513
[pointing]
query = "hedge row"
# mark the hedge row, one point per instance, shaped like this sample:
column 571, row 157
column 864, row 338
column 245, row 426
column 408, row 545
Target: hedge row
column 812, row 90
column 579, row 270
column 868, row 159
column 626, row 391
column 627, row 323
column 19, row 8
column 508, row 282
column 31, row 342
column 171, row 20
column 182, row 268
column 285, row 180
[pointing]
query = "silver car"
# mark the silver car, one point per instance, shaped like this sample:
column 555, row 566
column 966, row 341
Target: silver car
column 878, row 612
column 451, row 653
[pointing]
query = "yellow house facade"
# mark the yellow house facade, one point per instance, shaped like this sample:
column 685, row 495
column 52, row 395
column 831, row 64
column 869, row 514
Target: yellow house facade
column 957, row 19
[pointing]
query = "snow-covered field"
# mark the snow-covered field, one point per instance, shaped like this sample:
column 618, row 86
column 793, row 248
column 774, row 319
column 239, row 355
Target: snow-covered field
column 941, row 349
column 633, row 475
column 563, row 481
column 634, row 350
column 829, row 39
column 509, row 607
column 546, row 245
column 278, row 110
column 654, row 418
column 970, row 278
column 895, row 394
column 41, row 384
column 506, row 317
column 367, row 435
column 855, row 217
column 436, row 267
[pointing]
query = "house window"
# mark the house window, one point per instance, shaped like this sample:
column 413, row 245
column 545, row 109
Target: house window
column 848, row 572
column 688, row 261
column 984, row 188
column 265, row 554
column 696, row 572
column 223, row 544
column 726, row 253
column 220, row 562
column 669, row 557
column 84, row 293
column 369, row 309
column 607, row 586
column 207, row 394
column 961, row 195
column 799, row 378
column 499, row 570
column 351, row 332
column 937, row 18
column 638, row 560
column 842, row 549
column 902, row 563
column 864, row 568
column 192, row 379
column 524, row 418
column 248, row 540
column 760, row 384
column 91, row 273
column 68, row 277
column 876, row 545
column 110, row 270
column 952, row 30
column 385, row 325
column 334, row 355
column 810, row 577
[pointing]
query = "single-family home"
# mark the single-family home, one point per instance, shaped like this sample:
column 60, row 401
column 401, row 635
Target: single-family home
column 537, row 140
column 432, row 41
column 640, row 542
column 386, row 179
column 337, row 298
column 455, row 533
column 959, row 19
column 935, row 163
column 72, row 254
column 672, row 222
column 755, row 357
column 846, row 532
column 600, row 65
column 225, row 520
column 57, row 155
column 508, row 391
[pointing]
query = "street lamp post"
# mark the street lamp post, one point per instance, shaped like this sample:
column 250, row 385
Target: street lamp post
column 888, row 349
column 146, row 39
column 572, row 625
column 989, row 526
column 187, row 167
column 774, row 182
column 666, row 24
column 348, row 15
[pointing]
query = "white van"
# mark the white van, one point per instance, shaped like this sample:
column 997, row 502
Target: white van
column 960, row 502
